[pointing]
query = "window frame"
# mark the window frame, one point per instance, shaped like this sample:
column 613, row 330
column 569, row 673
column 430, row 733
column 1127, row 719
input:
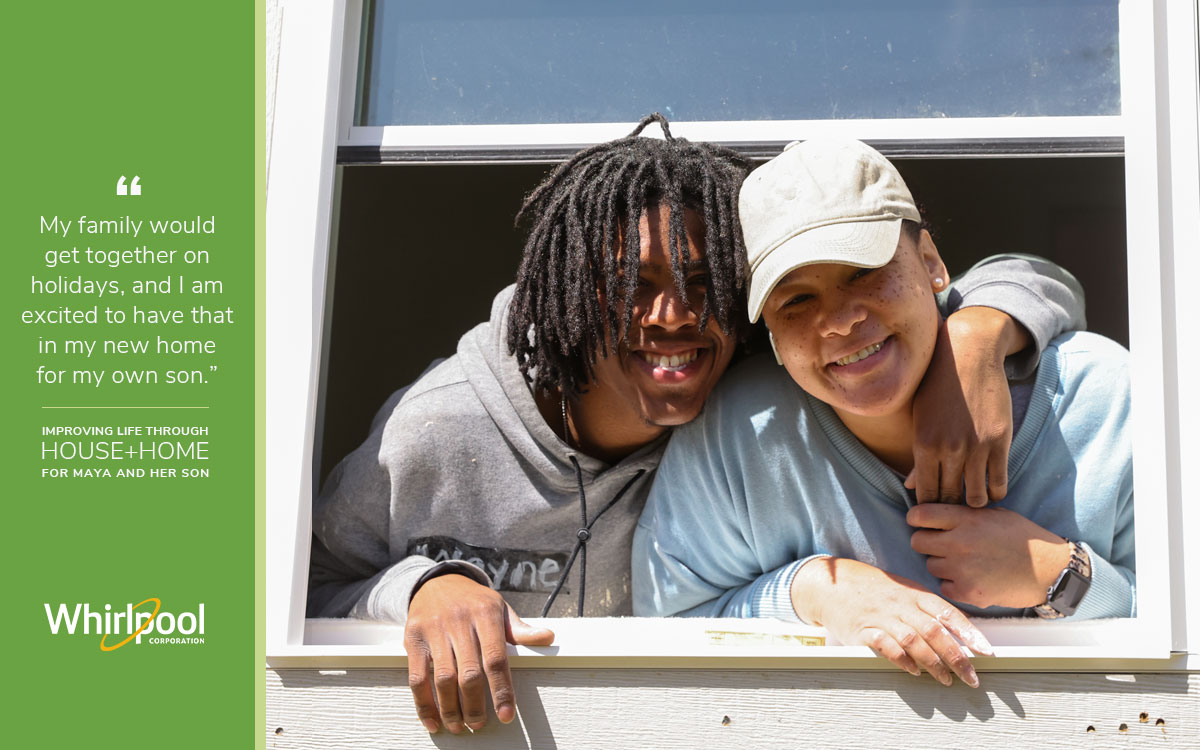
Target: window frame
column 942, row 136
column 315, row 102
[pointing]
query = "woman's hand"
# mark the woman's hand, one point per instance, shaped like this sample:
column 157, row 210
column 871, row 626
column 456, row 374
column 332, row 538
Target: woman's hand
column 897, row 618
column 962, row 413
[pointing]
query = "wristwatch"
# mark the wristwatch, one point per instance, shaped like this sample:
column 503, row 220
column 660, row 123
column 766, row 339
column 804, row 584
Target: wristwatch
column 1065, row 594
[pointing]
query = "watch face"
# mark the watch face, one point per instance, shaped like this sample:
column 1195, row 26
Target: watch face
column 1069, row 591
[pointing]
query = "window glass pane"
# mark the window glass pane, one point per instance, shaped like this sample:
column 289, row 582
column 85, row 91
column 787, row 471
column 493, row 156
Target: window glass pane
column 468, row 62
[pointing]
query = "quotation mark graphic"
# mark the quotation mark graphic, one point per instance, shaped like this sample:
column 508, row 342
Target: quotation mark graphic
column 132, row 189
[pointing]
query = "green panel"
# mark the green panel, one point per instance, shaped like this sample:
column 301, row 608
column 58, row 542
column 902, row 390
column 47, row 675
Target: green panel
column 163, row 92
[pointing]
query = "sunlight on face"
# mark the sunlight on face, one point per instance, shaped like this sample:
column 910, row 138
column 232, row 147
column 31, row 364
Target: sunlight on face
column 859, row 339
column 666, row 367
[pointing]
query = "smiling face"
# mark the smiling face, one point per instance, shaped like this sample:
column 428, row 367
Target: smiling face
column 860, row 339
column 663, row 371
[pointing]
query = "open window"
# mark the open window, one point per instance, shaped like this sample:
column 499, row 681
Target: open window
column 430, row 122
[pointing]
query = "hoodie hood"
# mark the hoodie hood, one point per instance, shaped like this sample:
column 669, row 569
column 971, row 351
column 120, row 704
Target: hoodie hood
column 498, row 383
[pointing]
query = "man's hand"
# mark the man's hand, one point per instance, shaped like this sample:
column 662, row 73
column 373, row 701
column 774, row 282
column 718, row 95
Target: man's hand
column 988, row 556
column 897, row 618
column 455, row 638
column 962, row 413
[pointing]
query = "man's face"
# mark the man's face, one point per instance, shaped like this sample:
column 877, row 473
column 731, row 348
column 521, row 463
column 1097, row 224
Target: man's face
column 665, row 368
column 859, row 339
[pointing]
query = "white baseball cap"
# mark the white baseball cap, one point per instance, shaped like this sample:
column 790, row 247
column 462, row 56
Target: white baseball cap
column 826, row 200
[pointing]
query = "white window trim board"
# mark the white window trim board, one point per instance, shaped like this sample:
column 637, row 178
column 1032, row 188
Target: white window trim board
column 575, row 135
column 592, row 643
column 299, row 218
column 1144, row 150
column 1178, row 33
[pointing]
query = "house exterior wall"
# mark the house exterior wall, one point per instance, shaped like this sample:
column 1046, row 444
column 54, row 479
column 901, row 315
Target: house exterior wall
column 683, row 708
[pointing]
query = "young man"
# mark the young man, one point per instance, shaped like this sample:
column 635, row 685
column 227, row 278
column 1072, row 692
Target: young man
column 509, row 478
column 786, row 498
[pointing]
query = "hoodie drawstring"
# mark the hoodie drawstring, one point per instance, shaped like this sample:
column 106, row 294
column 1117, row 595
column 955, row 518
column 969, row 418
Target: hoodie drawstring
column 583, row 535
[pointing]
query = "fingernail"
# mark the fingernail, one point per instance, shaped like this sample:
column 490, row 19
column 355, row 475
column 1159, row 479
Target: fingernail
column 971, row 679
column 506, row 713
column 431, row 726
column 475, row 726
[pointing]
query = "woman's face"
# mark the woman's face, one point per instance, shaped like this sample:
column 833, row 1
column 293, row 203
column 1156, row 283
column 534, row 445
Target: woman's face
column 860, row 339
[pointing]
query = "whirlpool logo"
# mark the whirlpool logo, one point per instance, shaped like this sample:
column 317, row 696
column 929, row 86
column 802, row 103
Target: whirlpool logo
column 116, row 627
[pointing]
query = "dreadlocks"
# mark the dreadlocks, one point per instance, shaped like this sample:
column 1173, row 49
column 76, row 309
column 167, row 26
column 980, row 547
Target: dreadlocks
column 572, row 285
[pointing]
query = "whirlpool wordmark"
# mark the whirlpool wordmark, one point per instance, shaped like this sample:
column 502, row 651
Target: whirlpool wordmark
column 116, row 627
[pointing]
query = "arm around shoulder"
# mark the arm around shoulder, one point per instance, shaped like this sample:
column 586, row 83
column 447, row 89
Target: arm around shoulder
column 1041, row 296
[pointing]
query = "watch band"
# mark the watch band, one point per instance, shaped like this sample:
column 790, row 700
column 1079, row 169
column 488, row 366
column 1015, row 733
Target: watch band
column 1067, row 591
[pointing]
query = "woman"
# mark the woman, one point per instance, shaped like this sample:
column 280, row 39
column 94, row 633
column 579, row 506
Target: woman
column 787, row 496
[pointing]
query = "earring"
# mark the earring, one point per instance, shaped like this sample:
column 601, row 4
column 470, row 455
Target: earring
column 938, row 283
column 778, row 359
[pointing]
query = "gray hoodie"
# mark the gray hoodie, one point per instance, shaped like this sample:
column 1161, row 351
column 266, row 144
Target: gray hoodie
column 460, row 465
column 464, row 466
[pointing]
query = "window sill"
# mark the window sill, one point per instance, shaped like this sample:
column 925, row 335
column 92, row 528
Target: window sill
column 651, row 643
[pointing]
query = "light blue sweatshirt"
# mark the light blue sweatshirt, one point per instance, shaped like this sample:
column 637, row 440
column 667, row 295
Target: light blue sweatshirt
column 767, row 477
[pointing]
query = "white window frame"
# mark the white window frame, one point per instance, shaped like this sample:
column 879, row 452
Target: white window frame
column 458, row 142
column 314, row 106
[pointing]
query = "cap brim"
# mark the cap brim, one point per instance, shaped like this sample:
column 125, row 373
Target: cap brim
column 867, row 244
